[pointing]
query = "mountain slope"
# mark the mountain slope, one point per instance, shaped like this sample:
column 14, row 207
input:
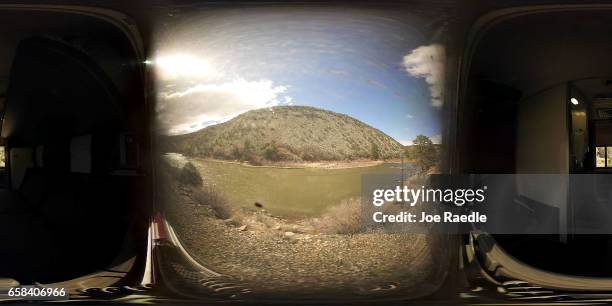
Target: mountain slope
column 288, row 133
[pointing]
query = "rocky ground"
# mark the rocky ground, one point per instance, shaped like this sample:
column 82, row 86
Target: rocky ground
column 273, row 255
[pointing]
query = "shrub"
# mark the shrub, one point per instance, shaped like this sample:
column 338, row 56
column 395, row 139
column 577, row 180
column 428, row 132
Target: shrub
column 208, row 195
column 344, row 218
column 374, row 151
column 270, row 152
column 310, row 153
column 275, row 152
column 236, row 153
column 190, row 175
column 253, row 160
column 315, row 153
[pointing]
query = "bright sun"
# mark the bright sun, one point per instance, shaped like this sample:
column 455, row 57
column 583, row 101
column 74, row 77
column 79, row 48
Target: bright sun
column 183, row 65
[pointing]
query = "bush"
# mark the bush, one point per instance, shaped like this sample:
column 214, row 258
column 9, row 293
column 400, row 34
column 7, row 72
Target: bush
column 236, row 153
column 190, row 176
column 252, row 159
column 208, row 195
column 344, row 218
column 275, row 152
column 315, row 153
column 374, row 151
column 310, row 153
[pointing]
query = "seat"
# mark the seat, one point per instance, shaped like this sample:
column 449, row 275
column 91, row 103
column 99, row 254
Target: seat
column 6, row 283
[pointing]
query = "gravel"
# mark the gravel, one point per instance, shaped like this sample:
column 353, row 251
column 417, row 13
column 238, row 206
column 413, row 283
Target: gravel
column 271, row 260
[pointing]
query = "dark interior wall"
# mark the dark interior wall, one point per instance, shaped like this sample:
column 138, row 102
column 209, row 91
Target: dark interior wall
column 15, row 27
column 603, row 132
column 57, row 92
column 542, row 133
column 490, row 128
column 507, row 134
column 99, row 41
column 533, row 55
column 539, row 51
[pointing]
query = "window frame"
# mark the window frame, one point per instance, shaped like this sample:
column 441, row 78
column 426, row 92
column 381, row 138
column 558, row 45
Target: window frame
column 3, row 157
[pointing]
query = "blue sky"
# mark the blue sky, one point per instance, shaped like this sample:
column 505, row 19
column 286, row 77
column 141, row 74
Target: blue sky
column 376, row 66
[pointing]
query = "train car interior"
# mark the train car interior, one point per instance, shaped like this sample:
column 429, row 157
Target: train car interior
column 538, row 101
column 71, row 173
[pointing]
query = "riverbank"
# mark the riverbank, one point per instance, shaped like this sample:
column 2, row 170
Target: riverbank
column 342, row 164
column 304, row 165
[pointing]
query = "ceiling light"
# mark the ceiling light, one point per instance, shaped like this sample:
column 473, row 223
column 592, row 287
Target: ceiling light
column 574, row 101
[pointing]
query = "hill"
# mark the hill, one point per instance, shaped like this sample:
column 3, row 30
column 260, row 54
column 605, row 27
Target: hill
column 287, row 133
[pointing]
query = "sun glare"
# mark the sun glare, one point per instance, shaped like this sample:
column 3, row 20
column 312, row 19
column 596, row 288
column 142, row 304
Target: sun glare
column 182, row 65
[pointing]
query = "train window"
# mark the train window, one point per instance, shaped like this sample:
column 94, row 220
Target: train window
column 269, row 118
column 600, row 160
column 603, row 157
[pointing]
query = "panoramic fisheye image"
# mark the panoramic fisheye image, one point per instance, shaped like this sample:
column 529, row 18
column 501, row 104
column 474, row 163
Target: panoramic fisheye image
column 268, row 118
column 306, row 152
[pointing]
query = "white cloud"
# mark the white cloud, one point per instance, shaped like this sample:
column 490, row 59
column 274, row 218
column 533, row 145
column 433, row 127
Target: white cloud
column 405, row 142
column 409, row 116
column 428, row 62
column 206, row 104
